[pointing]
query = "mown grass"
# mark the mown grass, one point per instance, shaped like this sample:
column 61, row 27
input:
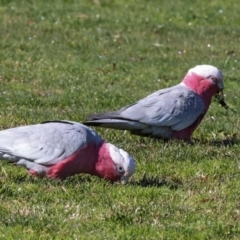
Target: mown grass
column 67, row 59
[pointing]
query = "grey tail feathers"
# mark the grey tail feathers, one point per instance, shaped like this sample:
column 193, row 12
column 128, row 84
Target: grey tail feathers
column 112, row 120
column 108, row 116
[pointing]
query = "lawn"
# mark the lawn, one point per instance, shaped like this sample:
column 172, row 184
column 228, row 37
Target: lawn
column 67, row 59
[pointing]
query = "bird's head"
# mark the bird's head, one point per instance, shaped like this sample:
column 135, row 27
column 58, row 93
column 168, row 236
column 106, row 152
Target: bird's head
column 211, row 73
column 211, row 77
column 114, row 163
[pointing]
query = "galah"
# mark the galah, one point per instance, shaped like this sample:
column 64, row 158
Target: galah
column 173, row 112
column 58, row 149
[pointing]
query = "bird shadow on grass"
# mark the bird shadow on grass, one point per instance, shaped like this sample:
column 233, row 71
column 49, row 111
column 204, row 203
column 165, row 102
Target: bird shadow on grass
column 77, row 179
column 230, row 141
column 149, row 181
column 225, row 142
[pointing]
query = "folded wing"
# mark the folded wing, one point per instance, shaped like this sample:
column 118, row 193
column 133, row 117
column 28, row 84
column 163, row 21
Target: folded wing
column 46, row 143
column 177, row 107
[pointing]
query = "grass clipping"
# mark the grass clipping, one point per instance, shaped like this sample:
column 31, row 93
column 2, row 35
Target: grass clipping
column 221, row 100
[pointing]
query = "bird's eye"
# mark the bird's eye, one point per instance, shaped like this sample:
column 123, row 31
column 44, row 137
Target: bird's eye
column 120, row 169
column 214, row 79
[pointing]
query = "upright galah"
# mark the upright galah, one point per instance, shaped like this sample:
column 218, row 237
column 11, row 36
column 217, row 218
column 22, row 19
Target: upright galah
column 173, row 112
column 58, row 149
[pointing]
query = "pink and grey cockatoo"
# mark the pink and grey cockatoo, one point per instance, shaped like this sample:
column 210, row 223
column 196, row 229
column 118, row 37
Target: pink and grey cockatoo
column 58, row 149
column 173, row 112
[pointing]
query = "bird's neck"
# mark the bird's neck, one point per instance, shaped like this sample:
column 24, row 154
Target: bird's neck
column 85, row 160
column 105, row 166
column 202, row 86
column 88, row 158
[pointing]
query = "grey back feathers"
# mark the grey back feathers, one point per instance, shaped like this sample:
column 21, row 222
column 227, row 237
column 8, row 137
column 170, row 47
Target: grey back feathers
column 45, row 143
column 168, row 109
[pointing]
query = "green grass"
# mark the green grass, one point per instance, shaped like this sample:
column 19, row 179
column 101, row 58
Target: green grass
column 56, row 62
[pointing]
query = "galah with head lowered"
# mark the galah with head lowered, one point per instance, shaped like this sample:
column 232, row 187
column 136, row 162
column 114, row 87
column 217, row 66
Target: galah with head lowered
column 173, row 112
column 58, row 149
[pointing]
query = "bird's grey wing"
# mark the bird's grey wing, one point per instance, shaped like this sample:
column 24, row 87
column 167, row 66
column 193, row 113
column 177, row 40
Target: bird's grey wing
column 45, row 143
column 177, row 107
